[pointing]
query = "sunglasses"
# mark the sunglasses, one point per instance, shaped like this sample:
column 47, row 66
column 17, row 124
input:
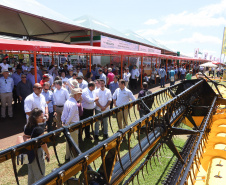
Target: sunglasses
column 23, row 77
column 38, row 88
column 46, row 89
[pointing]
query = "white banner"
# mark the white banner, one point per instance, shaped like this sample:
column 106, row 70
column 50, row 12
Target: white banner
column 148, row 49
column 196, row 53
column 205, row 55
column 107, row 42
column 211, row 57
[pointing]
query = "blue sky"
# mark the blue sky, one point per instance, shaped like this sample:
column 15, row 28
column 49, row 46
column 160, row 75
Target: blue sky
column 180, row 25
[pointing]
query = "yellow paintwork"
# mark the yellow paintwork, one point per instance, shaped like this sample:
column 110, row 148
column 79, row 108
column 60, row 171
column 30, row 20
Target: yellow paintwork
column 213, row 162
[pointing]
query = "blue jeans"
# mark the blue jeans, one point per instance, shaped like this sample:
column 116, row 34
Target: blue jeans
column 182, row 76
column 162, row 82
column 97, row 124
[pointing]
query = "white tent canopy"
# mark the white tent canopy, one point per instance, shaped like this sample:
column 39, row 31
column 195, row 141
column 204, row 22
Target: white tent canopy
column 208, row 64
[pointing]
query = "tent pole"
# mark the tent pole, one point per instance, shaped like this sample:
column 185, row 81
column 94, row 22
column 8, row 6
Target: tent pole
column 166, row 68
column 128, row 62
column 35, row 67
column 90, row 61
column 52, row 59
column 121, row 65
column 141, row 72
column 91, row 37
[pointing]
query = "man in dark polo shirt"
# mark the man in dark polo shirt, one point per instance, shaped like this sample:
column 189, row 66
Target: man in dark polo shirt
column 142, row 93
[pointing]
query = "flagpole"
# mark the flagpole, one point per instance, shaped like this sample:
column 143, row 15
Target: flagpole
column 222, row 42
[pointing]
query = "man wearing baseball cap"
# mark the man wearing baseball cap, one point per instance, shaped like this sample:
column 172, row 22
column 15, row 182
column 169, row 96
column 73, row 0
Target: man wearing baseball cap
column 6, row 89
column 70, row 115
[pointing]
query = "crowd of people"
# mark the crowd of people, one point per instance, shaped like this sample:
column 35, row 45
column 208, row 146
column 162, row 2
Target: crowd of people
column 57, row 82
column 68, row 94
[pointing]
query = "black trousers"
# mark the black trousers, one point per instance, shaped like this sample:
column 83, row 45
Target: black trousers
column 15, row 97
column 133, row 83
column 111, row 105
column 87, row 113
column 50, row 122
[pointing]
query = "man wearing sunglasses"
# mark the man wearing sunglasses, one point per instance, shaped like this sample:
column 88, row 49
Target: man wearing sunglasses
column 6, row 89
column 50, row 102
column 36, row 100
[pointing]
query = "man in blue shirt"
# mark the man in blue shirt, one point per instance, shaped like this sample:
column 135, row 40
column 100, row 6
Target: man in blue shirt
column 172, row 76
column 50, row 102
column 31, row 77
column 113, row 86
column 102, row 75
column 16, row 79
column 162, row 74
column 6, row 89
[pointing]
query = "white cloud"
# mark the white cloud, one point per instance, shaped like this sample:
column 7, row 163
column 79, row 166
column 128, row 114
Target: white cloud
column 153, row 32
column 196, row 38
column 151, row 22
column 198, row 19
column 210, row 15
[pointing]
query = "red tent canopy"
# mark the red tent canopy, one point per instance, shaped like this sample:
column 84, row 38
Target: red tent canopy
column 39, row 46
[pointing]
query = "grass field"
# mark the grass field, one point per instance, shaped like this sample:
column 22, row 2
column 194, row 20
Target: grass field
column 157, row 175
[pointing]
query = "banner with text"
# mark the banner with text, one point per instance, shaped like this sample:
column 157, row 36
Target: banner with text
column 107, row 42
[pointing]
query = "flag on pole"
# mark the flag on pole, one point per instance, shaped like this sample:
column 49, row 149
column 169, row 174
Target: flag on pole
column 196, row 54
column 223, row 50
column 205, row 55
column 211, row 57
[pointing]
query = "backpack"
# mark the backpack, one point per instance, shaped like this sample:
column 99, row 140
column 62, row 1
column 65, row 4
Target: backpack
column 146, row 93
column 28, row 156
column 22, row 158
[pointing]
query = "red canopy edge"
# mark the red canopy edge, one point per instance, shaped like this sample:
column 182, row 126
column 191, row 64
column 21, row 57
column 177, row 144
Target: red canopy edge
column 40, row 46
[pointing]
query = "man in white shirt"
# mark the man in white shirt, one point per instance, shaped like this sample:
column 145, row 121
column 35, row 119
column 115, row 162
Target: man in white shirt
column 60, row 96
column 74, row 76
column 36, row 100
column 4, row 65
column 79, row 73
column 89, row 100
column 134, row 76
column 102, row 105
column 69, row 66
column 70, row 115
column 102, row 75
column 122, row 96
column 126, row 76
column 82, row 83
